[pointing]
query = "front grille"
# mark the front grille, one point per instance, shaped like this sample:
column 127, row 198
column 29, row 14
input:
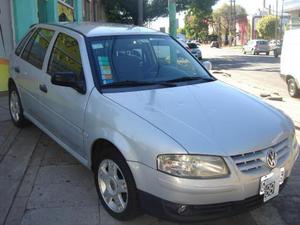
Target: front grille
column 254, row 162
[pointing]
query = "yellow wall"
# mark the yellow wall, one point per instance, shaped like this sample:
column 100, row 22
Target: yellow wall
column 3, row 74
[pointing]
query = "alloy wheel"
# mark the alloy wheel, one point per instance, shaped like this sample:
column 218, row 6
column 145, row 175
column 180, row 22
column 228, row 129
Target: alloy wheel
column 14, row 106
column 112, row 185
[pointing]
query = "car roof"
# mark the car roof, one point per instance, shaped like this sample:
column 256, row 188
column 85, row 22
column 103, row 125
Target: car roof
column 93, row 29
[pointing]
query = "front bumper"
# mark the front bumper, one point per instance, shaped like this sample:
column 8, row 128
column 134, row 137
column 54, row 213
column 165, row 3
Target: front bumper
column 192, row 213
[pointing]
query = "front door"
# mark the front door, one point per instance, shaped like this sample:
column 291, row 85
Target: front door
column 64, row 107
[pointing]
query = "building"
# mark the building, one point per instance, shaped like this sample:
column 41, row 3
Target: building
column 162, row 23
column 292, row 7
column 16, row 16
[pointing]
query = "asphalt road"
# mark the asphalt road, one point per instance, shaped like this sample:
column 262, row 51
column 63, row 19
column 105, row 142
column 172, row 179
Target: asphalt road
column 260, row 70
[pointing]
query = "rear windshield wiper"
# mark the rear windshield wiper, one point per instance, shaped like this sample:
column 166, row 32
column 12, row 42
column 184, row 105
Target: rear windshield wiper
column 135, row 83
column 182, row 79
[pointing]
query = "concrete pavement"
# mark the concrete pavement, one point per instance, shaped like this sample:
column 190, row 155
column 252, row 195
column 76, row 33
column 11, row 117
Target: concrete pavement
column 42, row 184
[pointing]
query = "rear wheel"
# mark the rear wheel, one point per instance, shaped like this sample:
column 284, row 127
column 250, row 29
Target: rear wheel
column 116, row 186
column 267, row 53
column 244, row 52
column 275, row 54
column 16, row 108
column 293, row 88
column 253, row 52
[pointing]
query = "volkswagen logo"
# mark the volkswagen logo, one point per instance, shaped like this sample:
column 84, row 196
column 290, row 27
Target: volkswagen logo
column 271, row 158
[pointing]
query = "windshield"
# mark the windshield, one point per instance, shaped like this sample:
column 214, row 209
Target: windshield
column 145, row 60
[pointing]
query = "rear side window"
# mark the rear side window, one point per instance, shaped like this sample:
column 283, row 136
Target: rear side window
column 23, row 42
column 65, row 56
column 36, row 48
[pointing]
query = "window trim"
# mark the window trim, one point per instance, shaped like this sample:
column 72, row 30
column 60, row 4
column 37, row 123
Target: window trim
column 26, row 38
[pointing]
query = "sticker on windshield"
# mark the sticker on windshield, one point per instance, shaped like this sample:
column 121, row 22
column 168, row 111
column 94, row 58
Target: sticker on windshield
column 105, row 69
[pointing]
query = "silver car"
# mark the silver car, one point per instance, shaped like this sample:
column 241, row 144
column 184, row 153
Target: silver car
column 160, row 133
column 257, row 46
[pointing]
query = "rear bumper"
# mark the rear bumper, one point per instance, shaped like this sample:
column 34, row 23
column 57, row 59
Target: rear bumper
column 192, row 213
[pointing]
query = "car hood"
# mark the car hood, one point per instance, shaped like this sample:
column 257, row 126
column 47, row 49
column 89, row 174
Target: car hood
column 208, row 118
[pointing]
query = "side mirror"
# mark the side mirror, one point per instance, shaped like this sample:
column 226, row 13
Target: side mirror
column 207, row 65
column 68, row 79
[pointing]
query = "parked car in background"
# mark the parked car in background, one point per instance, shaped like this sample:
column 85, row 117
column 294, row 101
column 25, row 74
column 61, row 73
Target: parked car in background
column 159, row 132
column 195, row 49
column 214, row 44
column 256, row 46
column 289, row 65
column 275, row 47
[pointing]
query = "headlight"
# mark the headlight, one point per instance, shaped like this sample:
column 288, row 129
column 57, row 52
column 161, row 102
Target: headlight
column 192, row 166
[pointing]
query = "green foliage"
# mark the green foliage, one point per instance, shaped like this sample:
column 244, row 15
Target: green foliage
column 126, row 11
column 222, row 18
column 198, row 18
column 267, row 26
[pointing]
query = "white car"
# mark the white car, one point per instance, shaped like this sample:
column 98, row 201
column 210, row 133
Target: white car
column 195, row 50
column 159, row 132
column 289, row 66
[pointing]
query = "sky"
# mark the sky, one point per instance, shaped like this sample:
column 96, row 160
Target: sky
column 252, row 6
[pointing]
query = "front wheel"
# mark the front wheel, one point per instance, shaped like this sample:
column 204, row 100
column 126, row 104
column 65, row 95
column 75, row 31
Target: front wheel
column 116, row 186
column 16, row 108
column 292, row 88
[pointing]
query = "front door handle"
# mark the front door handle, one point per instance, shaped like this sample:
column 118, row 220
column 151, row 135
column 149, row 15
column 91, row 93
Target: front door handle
column 43, row 88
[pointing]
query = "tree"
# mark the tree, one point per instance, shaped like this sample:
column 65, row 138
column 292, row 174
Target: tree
column 267, row 27
column 197, row 18
column 126, row 11
column 222, row 18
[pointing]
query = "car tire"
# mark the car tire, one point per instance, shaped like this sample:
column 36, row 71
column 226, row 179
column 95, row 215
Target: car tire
column 253, row 52
column 267, row 53
column 124, row 205
column 16, row 108
column 275, row 54
column 244, row 52
column 293, row 89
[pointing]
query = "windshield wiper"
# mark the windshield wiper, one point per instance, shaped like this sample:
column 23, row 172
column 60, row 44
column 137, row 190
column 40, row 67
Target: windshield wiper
column 182, row 79
column 135, row 83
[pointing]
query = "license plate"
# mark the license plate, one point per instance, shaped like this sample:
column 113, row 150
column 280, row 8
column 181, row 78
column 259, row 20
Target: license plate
column 269, row 184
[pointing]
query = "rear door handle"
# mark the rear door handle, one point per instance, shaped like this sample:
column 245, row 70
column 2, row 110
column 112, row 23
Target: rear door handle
column 17, row 69
column 43, row 88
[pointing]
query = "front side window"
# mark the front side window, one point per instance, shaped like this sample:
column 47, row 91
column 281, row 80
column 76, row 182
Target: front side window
column 142, row 59
column 65, row 57
column 37, row 46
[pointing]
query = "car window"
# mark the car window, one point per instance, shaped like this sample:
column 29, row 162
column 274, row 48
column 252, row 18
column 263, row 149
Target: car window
column 143, row 59
column 65, row 56
column 36, row 48
column 23, row 42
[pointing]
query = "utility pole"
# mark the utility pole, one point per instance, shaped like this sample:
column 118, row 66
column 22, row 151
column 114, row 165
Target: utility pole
column 234, row 23
column 172, row 18
column 276, row 27
column 140, row 12
column 281, row 21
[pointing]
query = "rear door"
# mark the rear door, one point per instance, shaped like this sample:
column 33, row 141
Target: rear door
column 28, row 70
column 64, row 107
